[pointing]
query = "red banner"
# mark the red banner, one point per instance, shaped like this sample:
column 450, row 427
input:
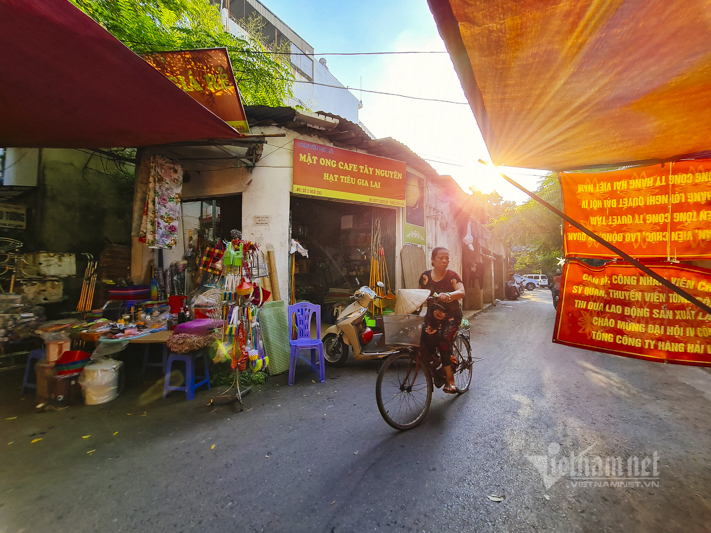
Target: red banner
column 660, row 211
column 207, row 76
column 330, row 172
column 617, row 309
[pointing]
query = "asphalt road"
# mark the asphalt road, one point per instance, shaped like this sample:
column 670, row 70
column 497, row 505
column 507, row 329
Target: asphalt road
column 318, row 457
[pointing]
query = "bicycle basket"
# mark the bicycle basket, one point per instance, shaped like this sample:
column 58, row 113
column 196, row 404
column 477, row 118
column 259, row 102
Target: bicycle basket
column 402, row 329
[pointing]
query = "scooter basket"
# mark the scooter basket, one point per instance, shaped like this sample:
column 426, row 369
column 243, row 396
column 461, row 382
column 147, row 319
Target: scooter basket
column 403, row 329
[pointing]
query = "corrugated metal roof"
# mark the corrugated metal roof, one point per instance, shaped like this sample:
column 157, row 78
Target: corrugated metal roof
column 346, row 134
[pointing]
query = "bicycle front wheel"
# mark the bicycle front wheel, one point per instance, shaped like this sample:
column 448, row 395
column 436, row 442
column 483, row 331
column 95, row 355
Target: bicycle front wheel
column 403, row 391
column 463, row 371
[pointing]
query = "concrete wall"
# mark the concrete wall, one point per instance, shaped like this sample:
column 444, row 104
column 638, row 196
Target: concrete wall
column 81, row 207
column 77, row 207
column 269, row 194
column 442, row 227
column 319, row 98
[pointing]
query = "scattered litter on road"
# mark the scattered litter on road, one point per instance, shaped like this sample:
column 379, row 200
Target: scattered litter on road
column 115, row 433
column 496, row 497
column 10, row 442
column 312, row 381
column 248, row 410
column 355, row 453
column 36, row 440
column 546, row 497
column 129, row 414
column 86, row 436
column 144, row 414
column 11, row 418
column 266, row 457
column 212, row 447
column 333, row 502
column 90, row 452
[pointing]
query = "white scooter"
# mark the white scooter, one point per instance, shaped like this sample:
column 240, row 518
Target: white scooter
column 350, row 330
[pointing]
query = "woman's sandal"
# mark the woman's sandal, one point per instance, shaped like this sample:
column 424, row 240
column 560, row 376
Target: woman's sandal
column 450, row 389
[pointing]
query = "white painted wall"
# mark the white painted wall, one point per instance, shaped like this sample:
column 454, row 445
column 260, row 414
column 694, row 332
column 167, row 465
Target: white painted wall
column 340, row 102
column 442, row 228
column 269, row 194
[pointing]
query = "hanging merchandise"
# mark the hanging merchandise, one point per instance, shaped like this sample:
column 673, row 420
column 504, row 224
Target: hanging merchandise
column 241, row 296
column 231, row 265
column 160, row 278
column 296, row 247
column 161, row 213
column 469, row 238
column 212, row 260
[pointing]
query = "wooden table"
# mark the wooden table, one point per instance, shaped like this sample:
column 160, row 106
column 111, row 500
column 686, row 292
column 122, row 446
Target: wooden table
column 159, row 337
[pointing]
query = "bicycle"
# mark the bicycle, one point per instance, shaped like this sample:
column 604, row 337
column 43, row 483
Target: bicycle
column 404, row 386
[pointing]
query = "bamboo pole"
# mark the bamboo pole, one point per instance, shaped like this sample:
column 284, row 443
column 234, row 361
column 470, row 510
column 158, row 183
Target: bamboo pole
column 92, row 286
column 276, row 294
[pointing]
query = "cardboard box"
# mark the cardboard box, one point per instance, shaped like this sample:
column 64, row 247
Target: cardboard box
column 54, row 349
column 46, row 374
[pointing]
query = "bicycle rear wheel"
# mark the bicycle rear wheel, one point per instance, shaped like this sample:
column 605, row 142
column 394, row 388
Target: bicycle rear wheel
column 403, row 391
column 463, row 372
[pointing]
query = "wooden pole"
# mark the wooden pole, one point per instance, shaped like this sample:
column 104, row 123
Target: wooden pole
column 276, row 294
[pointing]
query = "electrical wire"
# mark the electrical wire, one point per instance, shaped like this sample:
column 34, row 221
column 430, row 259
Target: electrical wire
column 383, row 93
column 344, row 53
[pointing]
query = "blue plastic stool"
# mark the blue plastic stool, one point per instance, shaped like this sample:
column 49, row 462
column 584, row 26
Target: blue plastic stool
column 162, row 365
column 35, row 355
column 300, row 315
column 191, row 381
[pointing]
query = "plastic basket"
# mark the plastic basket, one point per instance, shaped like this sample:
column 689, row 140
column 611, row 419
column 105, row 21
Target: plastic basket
column 403, row 329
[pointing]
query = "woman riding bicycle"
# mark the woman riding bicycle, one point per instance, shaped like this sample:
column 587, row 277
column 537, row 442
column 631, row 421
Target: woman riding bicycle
column 443, row 315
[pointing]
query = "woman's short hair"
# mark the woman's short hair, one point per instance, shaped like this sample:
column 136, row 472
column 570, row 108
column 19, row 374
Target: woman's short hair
column 436, row 251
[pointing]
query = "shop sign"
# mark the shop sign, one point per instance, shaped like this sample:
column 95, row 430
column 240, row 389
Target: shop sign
column 207, row 76
column 13, row 216
column 617, row 309
column 415, row 210
column 659, row 211
column 328, row 172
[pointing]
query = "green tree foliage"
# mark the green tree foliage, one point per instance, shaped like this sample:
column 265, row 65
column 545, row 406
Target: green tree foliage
column 532, row 232
column 487, row 208
column 264, row 78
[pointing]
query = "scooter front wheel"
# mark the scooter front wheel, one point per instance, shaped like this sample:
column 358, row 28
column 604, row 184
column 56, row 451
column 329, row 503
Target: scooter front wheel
column 403, row 391
column 335, row 351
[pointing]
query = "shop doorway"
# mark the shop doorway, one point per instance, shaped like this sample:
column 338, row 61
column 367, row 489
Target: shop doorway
column 341, row 239
column 210, row 220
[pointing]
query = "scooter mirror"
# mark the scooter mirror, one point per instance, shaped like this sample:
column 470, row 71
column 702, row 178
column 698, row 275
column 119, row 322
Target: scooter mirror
column 380, row 284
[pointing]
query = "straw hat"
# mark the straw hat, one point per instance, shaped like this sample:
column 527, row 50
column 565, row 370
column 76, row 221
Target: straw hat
column 408, row 300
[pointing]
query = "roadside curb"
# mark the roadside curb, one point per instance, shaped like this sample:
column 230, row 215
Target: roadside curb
column 469, row 314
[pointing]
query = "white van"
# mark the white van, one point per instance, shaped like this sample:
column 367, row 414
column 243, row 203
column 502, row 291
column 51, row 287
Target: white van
column 541, row 280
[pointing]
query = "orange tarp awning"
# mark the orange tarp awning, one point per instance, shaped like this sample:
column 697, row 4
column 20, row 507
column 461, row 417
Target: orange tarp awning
column 566, row 84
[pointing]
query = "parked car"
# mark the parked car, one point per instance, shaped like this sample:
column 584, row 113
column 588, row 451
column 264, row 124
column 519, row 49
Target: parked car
column 523, row 283
column 540, row 280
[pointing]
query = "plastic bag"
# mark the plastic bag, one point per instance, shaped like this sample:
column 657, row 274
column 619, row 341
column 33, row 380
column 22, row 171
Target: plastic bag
column 100, row 381
column 104, row 350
